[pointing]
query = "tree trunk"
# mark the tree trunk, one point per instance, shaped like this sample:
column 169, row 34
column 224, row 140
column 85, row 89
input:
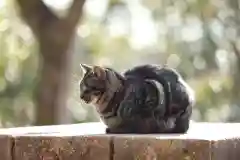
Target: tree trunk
column 54, row 36
column 234, row 4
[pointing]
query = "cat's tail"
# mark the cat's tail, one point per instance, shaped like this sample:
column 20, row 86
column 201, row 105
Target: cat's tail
column 152, row 72
column 163, row 75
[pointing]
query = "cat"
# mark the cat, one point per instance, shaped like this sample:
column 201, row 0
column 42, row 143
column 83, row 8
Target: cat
column 145, row 99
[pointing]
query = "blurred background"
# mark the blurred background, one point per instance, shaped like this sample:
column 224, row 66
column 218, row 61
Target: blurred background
column 200, row 38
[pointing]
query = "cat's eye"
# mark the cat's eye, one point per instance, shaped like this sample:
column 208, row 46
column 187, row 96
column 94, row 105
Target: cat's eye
column 96, row 93
column 95, row 75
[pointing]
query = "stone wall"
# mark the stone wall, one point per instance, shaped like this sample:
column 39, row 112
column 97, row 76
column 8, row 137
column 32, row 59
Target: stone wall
column 204, row 141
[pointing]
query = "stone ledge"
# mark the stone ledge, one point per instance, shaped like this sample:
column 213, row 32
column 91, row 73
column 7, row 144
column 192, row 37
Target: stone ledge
column 6, row 147
column 167, row 149
column 62, row 148
column 204, row 141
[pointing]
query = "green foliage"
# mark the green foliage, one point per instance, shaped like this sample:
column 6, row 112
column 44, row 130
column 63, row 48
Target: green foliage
column 18, row 69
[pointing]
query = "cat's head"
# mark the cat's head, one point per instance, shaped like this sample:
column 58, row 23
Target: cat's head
column 93, row 83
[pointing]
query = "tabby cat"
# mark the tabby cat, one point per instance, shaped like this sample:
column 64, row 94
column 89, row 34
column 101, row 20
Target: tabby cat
column 146, row 99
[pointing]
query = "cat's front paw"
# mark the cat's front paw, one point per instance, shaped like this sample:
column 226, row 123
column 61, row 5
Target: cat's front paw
column 108, row 131
column 115, row 131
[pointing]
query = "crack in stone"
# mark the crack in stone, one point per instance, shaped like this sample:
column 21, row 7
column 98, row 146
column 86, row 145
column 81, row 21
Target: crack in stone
column 170, row 145
column 12, row 150
column 111, row 148
column 211, row 147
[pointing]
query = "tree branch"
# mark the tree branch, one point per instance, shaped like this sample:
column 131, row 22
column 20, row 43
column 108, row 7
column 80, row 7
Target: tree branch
column 235, row 50
column 36, row 14
column 75, row 12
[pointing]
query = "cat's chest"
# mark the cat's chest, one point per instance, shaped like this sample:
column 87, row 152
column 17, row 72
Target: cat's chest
column 110, row 115
column 111, row 121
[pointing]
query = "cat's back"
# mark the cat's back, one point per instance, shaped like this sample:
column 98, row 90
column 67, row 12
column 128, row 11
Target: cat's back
column 150, row 71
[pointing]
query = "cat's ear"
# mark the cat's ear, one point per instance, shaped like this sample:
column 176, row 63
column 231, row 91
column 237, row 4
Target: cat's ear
column 99, row 71
column 85, row 68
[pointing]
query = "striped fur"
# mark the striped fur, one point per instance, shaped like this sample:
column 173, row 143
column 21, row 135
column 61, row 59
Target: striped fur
column 145, row 99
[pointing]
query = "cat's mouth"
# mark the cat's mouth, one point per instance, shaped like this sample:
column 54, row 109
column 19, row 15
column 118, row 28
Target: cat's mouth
column 93, row 98
column 86, row 99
